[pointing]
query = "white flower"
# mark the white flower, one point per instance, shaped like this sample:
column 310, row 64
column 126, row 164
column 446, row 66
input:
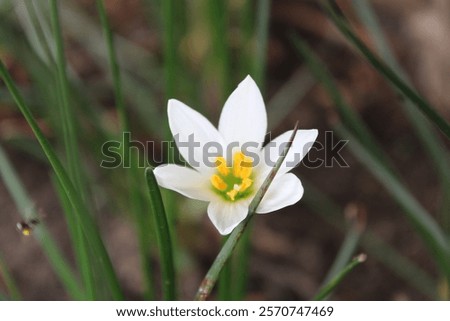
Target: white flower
column 229, row 164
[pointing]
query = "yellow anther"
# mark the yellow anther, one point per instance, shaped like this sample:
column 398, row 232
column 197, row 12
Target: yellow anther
column 218, row 183
column 232, row 194
column 246, row 183
column 242, row 165
column 221, row 166
column 234, row 182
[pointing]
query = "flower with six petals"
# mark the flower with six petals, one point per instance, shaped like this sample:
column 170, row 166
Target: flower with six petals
column 229, row 176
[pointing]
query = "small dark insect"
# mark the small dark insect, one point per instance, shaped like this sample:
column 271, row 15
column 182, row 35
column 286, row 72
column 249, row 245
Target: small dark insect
column 26, row 227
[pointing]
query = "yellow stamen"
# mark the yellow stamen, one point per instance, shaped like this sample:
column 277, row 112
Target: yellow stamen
column 221, row 165
column 234, row 182
column 232, row 194
column 246, row 183
column 242, row 165
column 218, row 183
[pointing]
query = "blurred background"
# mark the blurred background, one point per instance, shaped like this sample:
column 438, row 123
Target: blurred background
column 345, row 210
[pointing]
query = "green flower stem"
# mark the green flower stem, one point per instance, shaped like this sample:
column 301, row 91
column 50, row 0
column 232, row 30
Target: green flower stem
column 224, row 292
column 87, row 223
column 334, row 283
column 427, row 109
column 163, row 235
column 211, row 276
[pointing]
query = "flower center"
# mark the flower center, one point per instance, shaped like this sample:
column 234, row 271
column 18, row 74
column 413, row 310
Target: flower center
column 233, row 183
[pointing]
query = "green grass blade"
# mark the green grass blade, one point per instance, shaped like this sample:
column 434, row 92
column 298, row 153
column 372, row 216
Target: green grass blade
column 422, row 221
column 334, row 283
column 171, row 22
column 356, row 127
column 137, row 203
column 349, row 117
column 430, row 141
column 10, row 283
column 3, row 297
column 89, row 227
column 346, row 252
column 227, row 249
column 262, row 31
column 286, row 99
column 29, row 20
column 403, row 267
column 163, row 235
column 218, row 18
column 259, row 69
column 170, row 50
column 79, row 243
column 114, row 66
column 246, row 44
column 396, row 80
column 27, row 210
column 220, row 56
column 72, row 154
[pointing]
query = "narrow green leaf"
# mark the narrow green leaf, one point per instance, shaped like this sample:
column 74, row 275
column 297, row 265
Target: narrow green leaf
column 426, row 108
column 349, row 117
column 262, row 31
column 137, row 203
column 218, row 14
column 422, row 221
column 400, row 265
column 430, row 141
column 27, row 210
column 218, row 18
column 3, row 297
column 163, row 235
column 171, row 22
column 334, row 283
column 346, row 251
column 259, row 71
column 287, row 98
column 72, row 154
column 78, row 242
column 227, row 249
column 13, row 290
column 414, row 211
column 114, row 66
column 87, row 222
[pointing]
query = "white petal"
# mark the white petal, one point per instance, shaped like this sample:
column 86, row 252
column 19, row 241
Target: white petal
column 303, row 141
column 188, row 125
column 226, row 215
column 185, row 181
column 284, row 191
column 244, row 118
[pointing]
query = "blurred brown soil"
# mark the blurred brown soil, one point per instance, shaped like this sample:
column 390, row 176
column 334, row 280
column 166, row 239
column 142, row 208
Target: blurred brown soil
column 293, row 248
